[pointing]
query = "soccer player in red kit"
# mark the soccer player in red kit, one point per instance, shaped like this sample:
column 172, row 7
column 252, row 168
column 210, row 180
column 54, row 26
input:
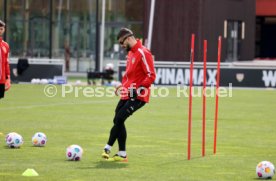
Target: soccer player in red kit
column 134, row 91
column 4, row 63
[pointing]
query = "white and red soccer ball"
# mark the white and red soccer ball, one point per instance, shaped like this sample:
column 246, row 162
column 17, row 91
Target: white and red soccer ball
column 265, row 170
column 39, row 139
column 14, row 140
column 74, row 153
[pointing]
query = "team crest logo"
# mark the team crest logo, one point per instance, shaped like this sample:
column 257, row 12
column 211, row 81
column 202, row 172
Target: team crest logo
column 240, row 77
column 133, row 60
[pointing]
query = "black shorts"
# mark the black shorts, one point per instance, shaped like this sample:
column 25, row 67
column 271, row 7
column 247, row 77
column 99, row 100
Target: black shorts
column 2, row 90
column 125, row 108
column 128, row 104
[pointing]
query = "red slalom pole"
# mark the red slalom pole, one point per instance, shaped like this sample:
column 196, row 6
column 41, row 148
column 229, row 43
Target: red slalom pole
column 217, row 97
column 204, row 96
column 190, row 95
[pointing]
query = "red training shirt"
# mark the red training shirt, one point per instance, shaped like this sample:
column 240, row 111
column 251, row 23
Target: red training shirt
column 139, row 71
column 4, row 62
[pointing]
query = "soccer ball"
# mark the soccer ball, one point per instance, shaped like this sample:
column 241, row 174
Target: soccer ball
column 14, row 140
column 265, row 169
column 39, row 139
column 74, row 153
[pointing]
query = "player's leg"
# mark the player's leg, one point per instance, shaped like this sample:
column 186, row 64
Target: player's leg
column 112, row 136
column 2, row 91
column 118, row 126
column 128, row 109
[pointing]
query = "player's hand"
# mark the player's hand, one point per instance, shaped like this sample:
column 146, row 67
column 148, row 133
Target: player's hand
column 7, row 83
column 117, row 90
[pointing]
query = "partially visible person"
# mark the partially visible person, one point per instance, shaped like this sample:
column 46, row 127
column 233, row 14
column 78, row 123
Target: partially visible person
column 5, row 82
column 67, row 55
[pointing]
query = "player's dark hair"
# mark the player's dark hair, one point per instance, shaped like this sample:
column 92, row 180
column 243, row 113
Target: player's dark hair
column 2, row 24
column 124, row 32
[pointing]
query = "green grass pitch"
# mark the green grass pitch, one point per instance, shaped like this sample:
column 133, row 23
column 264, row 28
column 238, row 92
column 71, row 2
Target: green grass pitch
column 157, row 137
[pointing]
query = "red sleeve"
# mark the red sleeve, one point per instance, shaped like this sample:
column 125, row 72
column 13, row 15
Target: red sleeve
column 148, row 68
